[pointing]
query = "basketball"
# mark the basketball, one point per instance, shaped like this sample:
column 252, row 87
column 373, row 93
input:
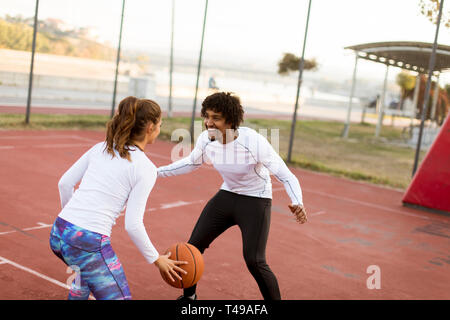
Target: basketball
column 183, row 251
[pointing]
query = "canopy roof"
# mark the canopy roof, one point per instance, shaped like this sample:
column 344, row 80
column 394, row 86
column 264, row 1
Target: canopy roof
column 413, row 56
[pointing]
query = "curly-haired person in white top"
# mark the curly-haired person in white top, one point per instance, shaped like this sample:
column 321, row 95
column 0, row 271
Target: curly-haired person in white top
column 244, row 159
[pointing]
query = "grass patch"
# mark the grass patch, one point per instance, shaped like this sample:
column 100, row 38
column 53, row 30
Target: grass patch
column 53, row 122
column 318, row 145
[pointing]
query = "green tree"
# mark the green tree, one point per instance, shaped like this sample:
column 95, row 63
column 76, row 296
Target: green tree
column 290, row 62
column 16, row 33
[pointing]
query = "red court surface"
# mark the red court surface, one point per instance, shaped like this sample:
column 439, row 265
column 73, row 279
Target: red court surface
column 351, row 227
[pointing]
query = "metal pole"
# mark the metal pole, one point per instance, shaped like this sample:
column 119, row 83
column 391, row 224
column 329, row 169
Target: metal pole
column 415, row 99
column 169, row 113
column 363, row 114
column 198, row 73
column 33, row 50
column 427, row 89
column 349, row 110
column 300, row 74
column 383, row 101
column 117, row 61
column 435, row 99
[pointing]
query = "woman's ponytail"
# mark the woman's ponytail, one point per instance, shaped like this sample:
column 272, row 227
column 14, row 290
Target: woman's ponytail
column 129, row 124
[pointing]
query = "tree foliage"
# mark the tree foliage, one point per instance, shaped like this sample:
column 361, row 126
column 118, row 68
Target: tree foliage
column 16, row 33
column 290, row 62
column 406, row 82
column 430, row 9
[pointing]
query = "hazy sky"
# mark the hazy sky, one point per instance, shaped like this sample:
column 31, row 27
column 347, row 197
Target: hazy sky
column 250, row 30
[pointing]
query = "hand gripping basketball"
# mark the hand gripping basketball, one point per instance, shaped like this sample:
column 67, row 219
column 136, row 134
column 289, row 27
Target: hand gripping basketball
column 169, row 267
column 191, row 272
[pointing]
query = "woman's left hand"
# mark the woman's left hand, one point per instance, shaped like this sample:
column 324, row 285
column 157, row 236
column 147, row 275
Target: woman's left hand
column 299, row 211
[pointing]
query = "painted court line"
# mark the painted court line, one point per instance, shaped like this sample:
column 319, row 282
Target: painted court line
column 179, row 204
column 317, row 213
column 274, row 190
column 176, row 204
column 163, row 206
column 168, row 158
column 368, row 204
column 38, row 274
column 41, row 226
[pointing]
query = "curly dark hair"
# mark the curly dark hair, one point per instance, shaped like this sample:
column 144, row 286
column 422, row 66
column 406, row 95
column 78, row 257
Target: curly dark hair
column 228, row 104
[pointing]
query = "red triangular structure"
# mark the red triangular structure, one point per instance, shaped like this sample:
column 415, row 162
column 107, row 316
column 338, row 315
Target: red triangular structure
column 430, row 187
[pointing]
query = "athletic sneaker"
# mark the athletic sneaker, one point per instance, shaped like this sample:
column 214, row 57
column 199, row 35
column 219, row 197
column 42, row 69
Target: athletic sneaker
column 183, row 298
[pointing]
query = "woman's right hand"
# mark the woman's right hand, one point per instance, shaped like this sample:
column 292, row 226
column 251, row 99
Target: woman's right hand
column 169, row 267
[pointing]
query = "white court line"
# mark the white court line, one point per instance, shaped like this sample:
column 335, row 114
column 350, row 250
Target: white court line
column 164, row 206
column 40, row 275
column 363, row 203
column 41, row 226
column 317, row 213
column 206, row 167
column 178, row 204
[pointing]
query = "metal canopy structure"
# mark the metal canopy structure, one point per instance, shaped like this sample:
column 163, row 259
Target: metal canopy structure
column 414, row 56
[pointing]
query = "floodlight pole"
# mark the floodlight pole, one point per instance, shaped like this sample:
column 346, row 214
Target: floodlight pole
column 427, row 89
column 169, row 112
column 382, row 104
column 117, row 61
column 435, row 99
column 300, row 74
column 352, row 93
column 198, row 73
column 33, row 50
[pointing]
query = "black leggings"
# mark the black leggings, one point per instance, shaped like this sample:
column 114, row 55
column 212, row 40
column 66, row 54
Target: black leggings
column 252, row 215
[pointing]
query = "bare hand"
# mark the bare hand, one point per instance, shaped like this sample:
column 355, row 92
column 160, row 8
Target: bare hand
column 299, row 211
column 170, row 267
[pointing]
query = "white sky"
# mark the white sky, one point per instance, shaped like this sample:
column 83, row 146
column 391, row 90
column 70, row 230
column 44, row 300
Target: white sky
column 250, row 30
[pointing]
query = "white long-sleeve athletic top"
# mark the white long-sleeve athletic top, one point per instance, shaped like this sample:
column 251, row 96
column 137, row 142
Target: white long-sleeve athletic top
column 245, row 165
column 108, row 185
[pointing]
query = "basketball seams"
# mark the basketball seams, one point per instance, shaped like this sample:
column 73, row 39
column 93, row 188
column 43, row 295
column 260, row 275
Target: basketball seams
column 176, row 250
column 188, row 252
column 195, row 263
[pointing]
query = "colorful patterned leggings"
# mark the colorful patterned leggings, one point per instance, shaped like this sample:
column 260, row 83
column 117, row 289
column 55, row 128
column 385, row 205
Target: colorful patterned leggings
column 90, row 253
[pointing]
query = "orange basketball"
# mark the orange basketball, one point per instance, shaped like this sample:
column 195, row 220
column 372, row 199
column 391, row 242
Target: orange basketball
column 183, row 251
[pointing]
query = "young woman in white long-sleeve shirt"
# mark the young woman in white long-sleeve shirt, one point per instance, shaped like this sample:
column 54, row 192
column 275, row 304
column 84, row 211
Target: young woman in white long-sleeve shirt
column 245, row 159
column 114, row 174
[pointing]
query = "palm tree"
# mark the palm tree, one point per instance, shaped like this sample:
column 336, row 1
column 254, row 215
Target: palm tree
column 407, row 83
